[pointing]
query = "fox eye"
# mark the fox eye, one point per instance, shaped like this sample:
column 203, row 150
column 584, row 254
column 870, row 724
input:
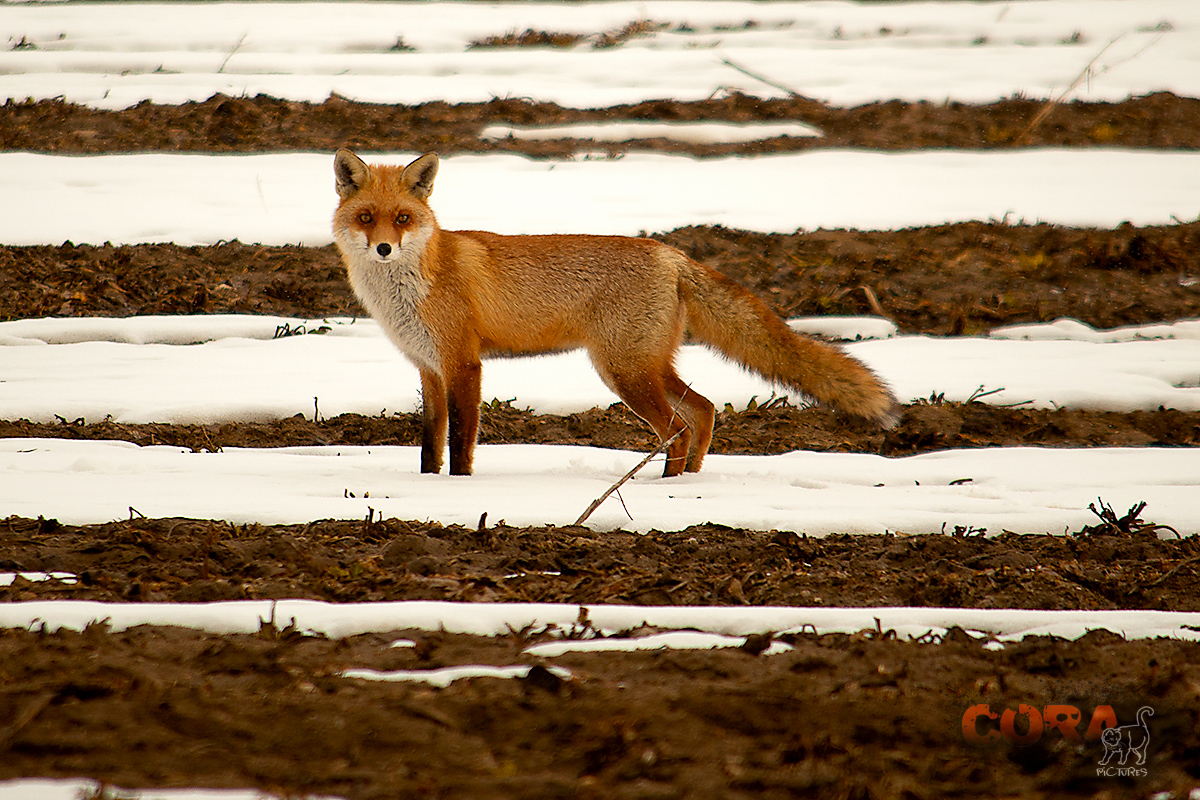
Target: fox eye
column 401, row 219
column 365, row 218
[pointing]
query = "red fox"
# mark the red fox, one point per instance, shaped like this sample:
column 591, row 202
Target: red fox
column 447, row 299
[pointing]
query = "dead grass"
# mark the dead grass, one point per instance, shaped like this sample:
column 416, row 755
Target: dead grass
column 603, row 39
column 529, row 38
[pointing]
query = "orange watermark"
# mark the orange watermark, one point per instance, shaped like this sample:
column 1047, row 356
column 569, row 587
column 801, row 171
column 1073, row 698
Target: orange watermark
column 1026, row 724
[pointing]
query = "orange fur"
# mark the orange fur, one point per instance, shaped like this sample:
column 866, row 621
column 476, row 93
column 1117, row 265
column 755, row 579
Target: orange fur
column 448, row 299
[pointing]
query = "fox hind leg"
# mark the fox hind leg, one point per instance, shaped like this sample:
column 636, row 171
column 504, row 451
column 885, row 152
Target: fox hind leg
column 699, row 414
column 644, row 392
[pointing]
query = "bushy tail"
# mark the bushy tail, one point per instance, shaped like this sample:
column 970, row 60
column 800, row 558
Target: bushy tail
column 724, row 315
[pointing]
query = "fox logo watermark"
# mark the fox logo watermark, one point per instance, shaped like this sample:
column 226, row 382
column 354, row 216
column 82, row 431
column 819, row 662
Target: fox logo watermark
column 1026, row 724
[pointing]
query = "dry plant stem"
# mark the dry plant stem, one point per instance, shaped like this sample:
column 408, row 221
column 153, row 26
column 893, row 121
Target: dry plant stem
column 232, row 53
column 34, row 707
column 1086, row 72
column 980, row 393
column 1173, row 571
column 596, row 503
column 1054, row 102
column 873, row 302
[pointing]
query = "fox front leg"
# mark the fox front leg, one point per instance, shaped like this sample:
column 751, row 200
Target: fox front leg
column 433, row 421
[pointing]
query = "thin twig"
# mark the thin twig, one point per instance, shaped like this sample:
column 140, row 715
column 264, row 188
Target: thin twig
column 622, row 499
column 762, row 78
column 662, row 445
column 596, row 503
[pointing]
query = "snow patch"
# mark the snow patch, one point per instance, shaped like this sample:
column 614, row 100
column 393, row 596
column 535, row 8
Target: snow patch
column 690, row 132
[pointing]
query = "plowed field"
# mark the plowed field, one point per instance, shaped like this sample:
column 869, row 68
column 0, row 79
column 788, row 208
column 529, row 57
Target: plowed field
column 839, row 715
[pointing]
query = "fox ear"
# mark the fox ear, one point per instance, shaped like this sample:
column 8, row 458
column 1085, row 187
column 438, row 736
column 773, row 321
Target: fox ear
column 350, row 172
column 418, row 176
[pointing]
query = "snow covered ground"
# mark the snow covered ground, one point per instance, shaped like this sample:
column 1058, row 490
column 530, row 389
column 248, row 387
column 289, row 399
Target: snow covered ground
column 289, row 198
column 1025, row 490
column 113, row 55
column 338, row 620
column 228, row 368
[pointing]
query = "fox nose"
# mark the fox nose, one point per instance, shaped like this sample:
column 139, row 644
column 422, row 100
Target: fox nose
column 384, row 249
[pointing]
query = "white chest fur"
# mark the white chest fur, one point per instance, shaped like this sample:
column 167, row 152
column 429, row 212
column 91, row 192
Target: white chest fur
column 392, row 292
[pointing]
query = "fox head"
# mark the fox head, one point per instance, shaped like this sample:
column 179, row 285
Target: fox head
column 382, row 210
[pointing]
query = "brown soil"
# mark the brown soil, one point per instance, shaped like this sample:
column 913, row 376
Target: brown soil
column 840, row 716
column 950, row 279
column 242, row 124
column 924, row 427
column 178, row 560
column 863, row 715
